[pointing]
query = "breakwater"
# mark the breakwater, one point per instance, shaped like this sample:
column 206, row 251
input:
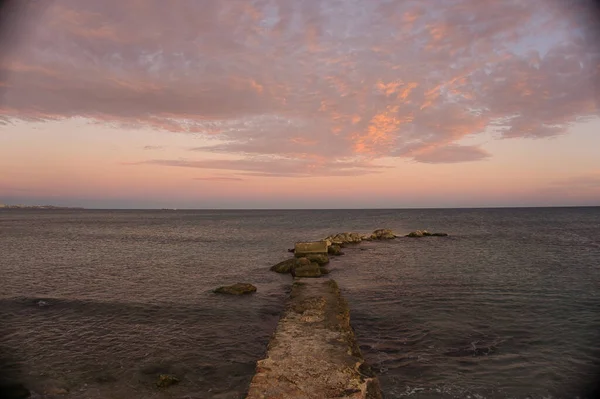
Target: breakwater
column 314, row 352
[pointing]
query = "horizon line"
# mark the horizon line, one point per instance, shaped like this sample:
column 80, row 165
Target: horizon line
column 32, row 207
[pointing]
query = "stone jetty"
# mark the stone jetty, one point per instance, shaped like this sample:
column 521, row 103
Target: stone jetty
column 313, row 353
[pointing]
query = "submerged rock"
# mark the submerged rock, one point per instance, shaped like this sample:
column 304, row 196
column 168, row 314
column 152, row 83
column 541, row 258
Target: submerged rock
column 321, row 259
column 335, row 250
column 383, row 234
column 311, row 270
column 285, row 266
column 236, row 289
column 425, row 233
column 166, row 380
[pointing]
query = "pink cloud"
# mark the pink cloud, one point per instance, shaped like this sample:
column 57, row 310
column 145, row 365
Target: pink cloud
column 350, row 82
column 268, row 166
column 452, row 154
column 218, row 178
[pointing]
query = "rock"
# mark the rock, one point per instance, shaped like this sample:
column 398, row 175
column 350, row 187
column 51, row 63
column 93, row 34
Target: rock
column 335, row 250
column 302, row 261
column 291, row 250
column 321, row 259
column 285, row 266
column 425, row 233
column 311, row 270
column 166, row 380
column 309, row 248
column 383, row 234
column 344, row 238
column 418, row 233
column 236, row 289
column 324, row 270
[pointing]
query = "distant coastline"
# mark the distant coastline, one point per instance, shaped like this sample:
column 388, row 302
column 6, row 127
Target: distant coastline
column 5, row 206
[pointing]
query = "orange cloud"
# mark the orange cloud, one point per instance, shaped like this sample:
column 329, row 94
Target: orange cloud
column 380, row 132
column 388, row 88
column 405, row 92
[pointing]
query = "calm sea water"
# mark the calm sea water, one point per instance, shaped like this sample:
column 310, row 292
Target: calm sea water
column 507, row 307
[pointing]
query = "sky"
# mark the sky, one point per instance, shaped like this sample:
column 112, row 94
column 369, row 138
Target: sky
column 300, row 104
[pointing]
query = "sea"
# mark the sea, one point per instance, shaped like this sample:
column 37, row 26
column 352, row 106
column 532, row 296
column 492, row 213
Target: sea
column 98, row 303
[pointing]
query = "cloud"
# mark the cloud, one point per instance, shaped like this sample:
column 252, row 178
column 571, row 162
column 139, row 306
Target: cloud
column 452, row 154
column 348, row 81
column 154, row 147
column 587, row 181
column 275, row 166
column 219, row 178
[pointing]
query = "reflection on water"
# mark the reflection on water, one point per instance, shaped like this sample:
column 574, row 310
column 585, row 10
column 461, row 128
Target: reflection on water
column 101, row 302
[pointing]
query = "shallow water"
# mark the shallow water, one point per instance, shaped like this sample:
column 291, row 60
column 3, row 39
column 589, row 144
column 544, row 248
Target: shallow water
column 507, row 307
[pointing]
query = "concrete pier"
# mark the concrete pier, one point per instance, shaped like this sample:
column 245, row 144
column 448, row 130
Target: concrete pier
column 313, row 353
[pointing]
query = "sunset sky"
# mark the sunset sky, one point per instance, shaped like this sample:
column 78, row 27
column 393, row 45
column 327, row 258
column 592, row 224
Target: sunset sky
column 300, row 104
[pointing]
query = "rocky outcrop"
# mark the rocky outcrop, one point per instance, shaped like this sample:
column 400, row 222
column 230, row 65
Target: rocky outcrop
column 166, row 380
column 425, row 233
column 236, row 289
column 383, row 234
column 344, row 238
column 335, row 250
column 314, row 352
